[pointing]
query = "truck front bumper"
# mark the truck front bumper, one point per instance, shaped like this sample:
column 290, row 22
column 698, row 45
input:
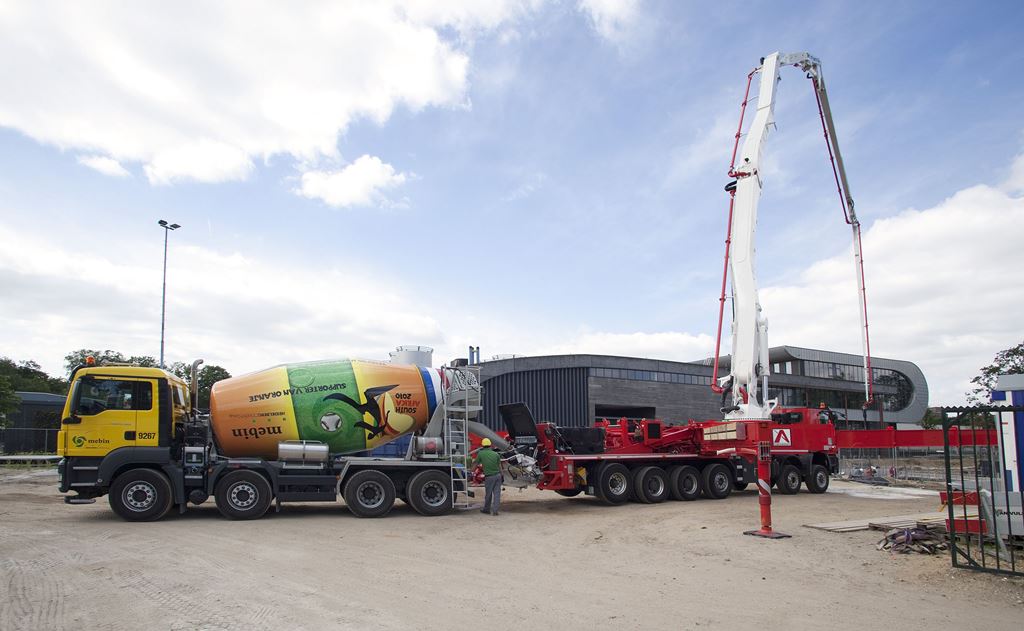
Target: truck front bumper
column 62, row 475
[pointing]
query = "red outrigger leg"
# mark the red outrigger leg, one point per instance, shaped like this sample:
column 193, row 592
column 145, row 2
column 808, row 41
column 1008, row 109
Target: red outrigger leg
column 764, row 484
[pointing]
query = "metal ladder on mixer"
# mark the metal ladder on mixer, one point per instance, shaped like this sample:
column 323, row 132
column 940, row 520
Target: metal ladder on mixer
column 456, row 436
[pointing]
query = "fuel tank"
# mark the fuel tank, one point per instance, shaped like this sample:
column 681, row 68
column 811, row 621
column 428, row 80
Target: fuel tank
column 349, row 405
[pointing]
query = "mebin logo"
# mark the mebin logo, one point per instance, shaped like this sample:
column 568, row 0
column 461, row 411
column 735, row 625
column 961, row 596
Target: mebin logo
column 80, row 441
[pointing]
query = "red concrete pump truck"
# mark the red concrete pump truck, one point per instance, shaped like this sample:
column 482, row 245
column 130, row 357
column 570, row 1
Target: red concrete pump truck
column 650, row 461
column 744, row 391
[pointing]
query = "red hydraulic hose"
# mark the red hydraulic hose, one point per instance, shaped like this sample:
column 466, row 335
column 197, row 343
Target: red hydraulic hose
column 717, row 389
column 846, row 215
column 867, row 338
column 828, row 146
column 739, row 129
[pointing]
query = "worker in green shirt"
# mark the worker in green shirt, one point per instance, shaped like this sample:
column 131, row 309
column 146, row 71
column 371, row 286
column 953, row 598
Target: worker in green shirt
column 491, row 462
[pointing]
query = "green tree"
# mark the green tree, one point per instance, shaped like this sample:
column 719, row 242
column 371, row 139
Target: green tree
column 77, row 358
column 1007, row 362
column 180, row 370
column 9, row 401
column 208, row 375
column 27, row 376
column 932, row 419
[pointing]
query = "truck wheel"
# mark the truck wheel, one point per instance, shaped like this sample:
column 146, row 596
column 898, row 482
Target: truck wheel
column 789, row 480
column 243, row 495
column 140, row 495
column 817, row 482
column 569, row 492
column 717, row 481
column 684, row 482
column 613, row 483
column 429, row 493
column 370, row 493
column 650, row 485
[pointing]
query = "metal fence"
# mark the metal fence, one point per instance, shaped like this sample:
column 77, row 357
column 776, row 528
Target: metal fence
column 911, row 466
column 28, row 440
column 983, row 494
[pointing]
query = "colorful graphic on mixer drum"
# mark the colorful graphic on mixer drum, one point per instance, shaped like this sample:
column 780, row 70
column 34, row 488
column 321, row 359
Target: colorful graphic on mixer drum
column 350, row 405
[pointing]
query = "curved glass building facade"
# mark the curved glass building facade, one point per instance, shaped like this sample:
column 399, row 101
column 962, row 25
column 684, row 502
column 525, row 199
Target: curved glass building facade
column 574, row 390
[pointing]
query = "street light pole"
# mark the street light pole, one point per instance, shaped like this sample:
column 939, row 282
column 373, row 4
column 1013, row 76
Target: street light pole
column 163, row 298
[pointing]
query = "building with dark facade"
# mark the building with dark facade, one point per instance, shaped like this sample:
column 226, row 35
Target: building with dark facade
column 33, row 427
column 574, row 390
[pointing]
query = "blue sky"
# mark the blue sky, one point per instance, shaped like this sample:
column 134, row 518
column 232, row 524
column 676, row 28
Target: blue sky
column 531, row 177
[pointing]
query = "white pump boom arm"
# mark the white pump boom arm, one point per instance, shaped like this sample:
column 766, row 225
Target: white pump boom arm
column 748, row 378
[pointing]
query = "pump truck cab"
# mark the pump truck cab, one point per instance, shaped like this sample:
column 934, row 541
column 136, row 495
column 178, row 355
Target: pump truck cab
column 289, row 433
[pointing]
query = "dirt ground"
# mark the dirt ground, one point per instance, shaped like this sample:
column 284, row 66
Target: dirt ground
column 545, row 562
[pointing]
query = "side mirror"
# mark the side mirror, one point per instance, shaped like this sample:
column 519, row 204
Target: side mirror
column 71, row 420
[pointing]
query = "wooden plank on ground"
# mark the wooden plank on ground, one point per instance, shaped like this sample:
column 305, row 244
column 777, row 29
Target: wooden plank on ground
column 853, row 525
column 887, row 523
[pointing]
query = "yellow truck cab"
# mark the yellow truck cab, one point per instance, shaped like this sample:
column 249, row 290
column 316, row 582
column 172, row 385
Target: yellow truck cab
column 119, row 418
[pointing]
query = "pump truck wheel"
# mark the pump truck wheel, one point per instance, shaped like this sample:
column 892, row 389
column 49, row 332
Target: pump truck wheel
column 140, row 495
column 243, row 494
column 789, row 480
column 650, row 485
column 568, row 492
column 717, row 481
column 684, row 482
column 429, row 493
column 370, row 493
column 817, row 482
column 614, row 483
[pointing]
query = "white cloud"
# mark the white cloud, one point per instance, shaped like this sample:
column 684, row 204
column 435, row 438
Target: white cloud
column 106, row 166
column 202, row 160
column 669, row 345
column 1015, row 181
column 200, row 91
column 942, row 284
column 612, row 19
column 245, row 314
column 361, row 183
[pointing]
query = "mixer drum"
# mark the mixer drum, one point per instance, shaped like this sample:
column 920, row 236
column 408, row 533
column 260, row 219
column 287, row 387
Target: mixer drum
column 349, row 405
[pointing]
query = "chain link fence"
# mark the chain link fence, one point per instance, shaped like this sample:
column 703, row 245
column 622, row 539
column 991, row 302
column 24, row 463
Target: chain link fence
column 28, row 440
column 910, row 466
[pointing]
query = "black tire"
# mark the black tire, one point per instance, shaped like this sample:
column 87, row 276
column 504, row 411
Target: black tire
column 430, row 493
column 141, row 495
column 685, row 482
column 789, row 479
column 370, row 493
column 650, row 485
column 718, row 481
column 817, row 482
column 569, row 492
column 243, row 494
column 636, row 492
column 614, row 483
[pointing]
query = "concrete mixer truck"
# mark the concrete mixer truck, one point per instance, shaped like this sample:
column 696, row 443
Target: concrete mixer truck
column 292, row 433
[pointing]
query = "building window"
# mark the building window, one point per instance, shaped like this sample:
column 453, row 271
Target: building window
column 651, row 375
